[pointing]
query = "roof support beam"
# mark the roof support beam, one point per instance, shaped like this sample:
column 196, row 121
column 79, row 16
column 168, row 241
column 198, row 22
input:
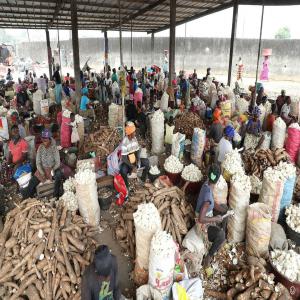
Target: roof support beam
column 75, row 46
column 233, row 35
column 139, row 13
column 56, row 12
column 172, row 40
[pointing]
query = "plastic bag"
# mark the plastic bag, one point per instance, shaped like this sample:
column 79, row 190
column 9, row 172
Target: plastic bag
column 293, row 143
column 278, row 133
column 267, row 141
column 288, row 191
column 197, row 148
column 169, row 134
column 121, row 188
column 164, row 102
column 194, row 242
column 178, row 145
column 113, row 162
column 23, row 169
column 189, row 289
column 258, row 230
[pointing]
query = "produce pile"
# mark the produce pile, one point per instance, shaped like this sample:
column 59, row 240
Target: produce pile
column 103, row 142
column 173, row 165
column 257, row 162
column 287, row 263
column 43, row 252
column 251, row 281
column 191, row 173
column 293, row 217
column 186, row 122
column 176, row 214
column 233, row 162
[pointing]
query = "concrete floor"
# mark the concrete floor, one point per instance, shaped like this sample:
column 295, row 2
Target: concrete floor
column 125, row 264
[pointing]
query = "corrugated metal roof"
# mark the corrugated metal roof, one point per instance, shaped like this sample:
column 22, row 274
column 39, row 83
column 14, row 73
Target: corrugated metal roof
column 138, row 15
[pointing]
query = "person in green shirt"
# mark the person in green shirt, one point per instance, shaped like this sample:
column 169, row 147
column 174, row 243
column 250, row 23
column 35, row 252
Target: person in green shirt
column 114, row 76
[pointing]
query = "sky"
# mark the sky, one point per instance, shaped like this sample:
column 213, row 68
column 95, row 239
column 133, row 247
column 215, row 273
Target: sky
column 215, row 25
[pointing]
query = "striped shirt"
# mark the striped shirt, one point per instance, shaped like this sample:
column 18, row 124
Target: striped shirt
column 129, row 146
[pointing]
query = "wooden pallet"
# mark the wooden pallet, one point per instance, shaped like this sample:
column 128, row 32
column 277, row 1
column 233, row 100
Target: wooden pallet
column 45, row 190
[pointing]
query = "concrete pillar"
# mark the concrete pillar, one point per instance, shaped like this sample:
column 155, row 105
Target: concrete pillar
column 49, row 53
column 152, row 48
column 75, row 46
column 233, row 35
column 105, row 51
column 120, row 34
column 131, row 45
column 253, row 100
column 172, row 41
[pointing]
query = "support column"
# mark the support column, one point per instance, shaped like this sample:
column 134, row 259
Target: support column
column 75, row 46
column 105, row 51
column 59, row 54
column 152, row 48
column 49, row 53
column 120, row 34
column 253, row 100
column 233, row 35
column 131, row 45
column 172, row 41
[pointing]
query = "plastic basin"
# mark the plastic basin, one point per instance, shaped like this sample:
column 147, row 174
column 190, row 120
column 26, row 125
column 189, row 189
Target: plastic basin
column 174, row 177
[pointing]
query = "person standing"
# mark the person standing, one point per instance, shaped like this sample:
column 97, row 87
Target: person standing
column 264, row 75
column 240, row 70
column 58, row 85
column 100, row 278
column 9, row 76
column 280, row 101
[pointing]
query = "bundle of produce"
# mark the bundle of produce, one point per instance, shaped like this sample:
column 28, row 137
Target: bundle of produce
column 239, row 198
column 43, row 251
column 287, row 262
column 272, row 191
column 257, row 162
column 173, row 165
column 157, row 132
column 251, row 282
column 251, row 141
column 191, row 173
column 278, row 134
column 102, row 142
column 232, row 163
column 186, row 122
column 69, row 198
column 176, row 214
column 293, row 217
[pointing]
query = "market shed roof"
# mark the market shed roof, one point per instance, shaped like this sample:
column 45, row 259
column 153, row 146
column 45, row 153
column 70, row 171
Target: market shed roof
column 138, row 15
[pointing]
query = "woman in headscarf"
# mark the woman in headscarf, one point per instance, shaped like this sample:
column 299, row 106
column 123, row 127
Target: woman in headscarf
column 225, row 144
column 58, row 85
column 130, row 151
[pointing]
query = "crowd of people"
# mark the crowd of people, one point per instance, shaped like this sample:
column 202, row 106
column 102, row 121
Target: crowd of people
column 142, row 92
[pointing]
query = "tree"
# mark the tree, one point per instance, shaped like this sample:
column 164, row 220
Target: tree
column 283, row 33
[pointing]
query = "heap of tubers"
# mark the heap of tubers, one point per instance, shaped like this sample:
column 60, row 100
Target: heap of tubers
column 257, row 162
column 251, row 281
column 176, row 214
column 103, row 142
column 44, row 251
column 186, row 122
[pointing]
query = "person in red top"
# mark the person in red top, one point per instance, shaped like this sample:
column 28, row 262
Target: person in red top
column 18, row 148
column 271, row 119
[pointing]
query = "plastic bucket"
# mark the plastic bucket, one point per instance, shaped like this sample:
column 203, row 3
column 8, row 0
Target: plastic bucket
column 191, row 187
column 174, row 177
column 293, row 287
column 293, row 235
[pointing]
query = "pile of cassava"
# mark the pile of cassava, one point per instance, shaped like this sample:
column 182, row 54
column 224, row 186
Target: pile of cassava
column 177, row 216
column 257, row 162
column 186, row 122
column 251, row 281
column 103, row 142
column 43, row 252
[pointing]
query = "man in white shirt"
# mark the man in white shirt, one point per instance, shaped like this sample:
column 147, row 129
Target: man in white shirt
column 285, row 111
column 225, row 145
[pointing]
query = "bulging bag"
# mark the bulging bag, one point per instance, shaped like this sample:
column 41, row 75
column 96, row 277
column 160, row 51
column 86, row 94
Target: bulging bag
column 198, row 144
column 87, row 196
column 178, row 145
column 220, row 191
column 278, row 133
column 164, row 102
column 258, row 230
column 292, row 144
column 157, row 132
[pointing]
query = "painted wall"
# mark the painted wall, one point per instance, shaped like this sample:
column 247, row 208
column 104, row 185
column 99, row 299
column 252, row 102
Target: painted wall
column 191, row 53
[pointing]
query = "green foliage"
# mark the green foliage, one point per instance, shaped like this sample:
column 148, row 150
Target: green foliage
column 283, row 33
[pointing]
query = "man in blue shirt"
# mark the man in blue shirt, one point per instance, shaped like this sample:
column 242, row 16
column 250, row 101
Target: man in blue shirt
column 86, row 109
